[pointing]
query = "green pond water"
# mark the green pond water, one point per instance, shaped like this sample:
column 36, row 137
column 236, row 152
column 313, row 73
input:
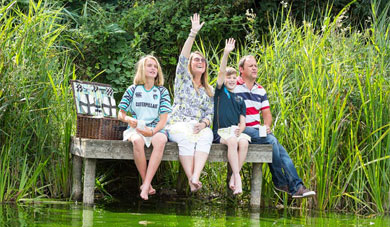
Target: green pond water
column 182, row 213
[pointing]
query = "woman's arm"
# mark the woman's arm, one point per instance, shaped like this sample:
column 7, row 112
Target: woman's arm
column 203, row 123
column 208, row 113
column 222, row 68
column 183, row 78
column 196, row 26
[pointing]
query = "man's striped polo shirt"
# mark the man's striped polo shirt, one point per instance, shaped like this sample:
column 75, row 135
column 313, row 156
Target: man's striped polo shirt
column 255, row 100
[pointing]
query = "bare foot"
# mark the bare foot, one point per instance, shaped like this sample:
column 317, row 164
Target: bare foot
column 151, row 191
column 231, row 183
column 192, row 187
column 195, row 185
column 238, row 184
column 144, row 192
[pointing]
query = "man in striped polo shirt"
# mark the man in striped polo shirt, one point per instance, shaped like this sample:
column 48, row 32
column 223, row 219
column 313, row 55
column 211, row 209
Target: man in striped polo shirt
column 284, row 174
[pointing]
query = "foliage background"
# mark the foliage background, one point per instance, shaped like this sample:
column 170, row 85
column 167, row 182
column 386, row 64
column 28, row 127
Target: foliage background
column 111, row 36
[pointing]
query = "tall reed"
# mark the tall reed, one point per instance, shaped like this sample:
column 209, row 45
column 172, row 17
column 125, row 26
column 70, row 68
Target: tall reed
column 35, row 107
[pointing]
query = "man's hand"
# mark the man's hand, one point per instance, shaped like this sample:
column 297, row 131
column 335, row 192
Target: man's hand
column 268, row 129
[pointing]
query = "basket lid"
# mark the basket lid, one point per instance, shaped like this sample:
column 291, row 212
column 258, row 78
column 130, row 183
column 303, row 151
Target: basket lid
column 94, row 99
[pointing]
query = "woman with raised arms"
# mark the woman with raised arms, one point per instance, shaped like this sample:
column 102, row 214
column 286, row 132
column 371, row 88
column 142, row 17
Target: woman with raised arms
column 192, row 110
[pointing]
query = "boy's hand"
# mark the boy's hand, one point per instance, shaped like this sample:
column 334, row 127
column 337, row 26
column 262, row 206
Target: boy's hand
column 237, row 132
column 229, row 45
column 195, row 20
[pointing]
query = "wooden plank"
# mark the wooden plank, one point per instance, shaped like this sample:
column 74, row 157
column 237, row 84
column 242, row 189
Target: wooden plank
column 116, row 149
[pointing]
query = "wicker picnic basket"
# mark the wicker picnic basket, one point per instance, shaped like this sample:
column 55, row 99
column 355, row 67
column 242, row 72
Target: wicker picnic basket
column 98, row 127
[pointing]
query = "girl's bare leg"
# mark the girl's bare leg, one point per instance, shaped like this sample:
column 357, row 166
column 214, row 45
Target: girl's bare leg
column 158, row 141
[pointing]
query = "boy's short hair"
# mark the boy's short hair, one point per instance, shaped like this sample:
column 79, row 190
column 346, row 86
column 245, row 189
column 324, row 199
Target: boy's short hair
column 231, row 71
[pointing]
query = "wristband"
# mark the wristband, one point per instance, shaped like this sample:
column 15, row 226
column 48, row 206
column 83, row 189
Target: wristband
column 203, row 121
column 192, row 34
column 152, row 131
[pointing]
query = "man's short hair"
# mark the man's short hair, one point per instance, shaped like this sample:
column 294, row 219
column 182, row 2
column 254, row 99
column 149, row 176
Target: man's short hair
column 243, row 59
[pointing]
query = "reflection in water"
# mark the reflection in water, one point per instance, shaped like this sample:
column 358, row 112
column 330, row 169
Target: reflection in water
column 255, row 218
column 177, row 213
column 88, row 216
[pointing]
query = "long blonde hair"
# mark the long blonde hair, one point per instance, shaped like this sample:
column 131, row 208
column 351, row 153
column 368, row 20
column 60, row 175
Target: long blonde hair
column 204, row 80
column 140, row 79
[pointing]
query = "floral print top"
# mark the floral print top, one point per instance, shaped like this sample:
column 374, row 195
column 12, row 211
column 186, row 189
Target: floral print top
column 189, row 105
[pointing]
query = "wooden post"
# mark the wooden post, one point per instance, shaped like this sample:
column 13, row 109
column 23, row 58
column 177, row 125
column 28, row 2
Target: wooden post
column 256, row 181
column 76, row 182
column 89, row 180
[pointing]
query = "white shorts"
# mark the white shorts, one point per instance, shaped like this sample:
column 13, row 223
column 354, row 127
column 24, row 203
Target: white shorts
column 188, row 142
column 226, row 133
column 128, row 133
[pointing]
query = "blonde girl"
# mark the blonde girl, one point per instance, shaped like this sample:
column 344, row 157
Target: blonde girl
column 148, row 104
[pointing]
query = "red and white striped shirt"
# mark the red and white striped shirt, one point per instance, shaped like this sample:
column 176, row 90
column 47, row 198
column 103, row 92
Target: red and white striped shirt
column 255, row 100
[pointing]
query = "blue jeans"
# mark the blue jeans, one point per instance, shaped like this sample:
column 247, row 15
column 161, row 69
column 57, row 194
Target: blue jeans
column 282, row 168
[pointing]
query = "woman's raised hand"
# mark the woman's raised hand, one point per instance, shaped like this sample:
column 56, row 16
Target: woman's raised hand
column 196, row 25
column 229, row 45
